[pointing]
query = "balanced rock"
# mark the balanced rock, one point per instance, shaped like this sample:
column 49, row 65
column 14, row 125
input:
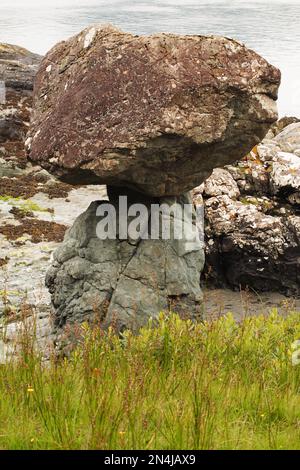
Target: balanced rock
column 154, row 113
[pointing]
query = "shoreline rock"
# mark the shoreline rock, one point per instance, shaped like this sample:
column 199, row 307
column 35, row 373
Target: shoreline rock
column 123, row 282
column 252, row 212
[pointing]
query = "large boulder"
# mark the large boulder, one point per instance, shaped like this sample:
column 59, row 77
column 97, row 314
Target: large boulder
column 154, row 113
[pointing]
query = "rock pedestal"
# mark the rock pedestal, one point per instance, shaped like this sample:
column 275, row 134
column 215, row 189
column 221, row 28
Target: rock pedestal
column 124, row 281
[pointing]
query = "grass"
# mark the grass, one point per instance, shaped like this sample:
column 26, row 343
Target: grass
column 177, row 385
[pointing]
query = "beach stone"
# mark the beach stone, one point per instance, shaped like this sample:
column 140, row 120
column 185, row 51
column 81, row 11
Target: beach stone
column 153, row 113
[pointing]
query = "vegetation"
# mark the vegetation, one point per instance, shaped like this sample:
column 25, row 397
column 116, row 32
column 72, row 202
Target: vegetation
column 23, row 205
column 177, row 385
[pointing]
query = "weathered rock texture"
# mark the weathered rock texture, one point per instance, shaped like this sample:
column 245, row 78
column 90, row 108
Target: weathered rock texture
column 17, row 70
column 154, row 113
column 252, row 214
column 124, row 282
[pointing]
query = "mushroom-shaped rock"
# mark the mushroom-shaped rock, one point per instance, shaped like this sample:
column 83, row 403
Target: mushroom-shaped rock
column 153, row 113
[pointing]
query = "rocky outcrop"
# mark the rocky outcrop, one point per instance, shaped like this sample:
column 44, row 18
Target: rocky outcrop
column 17, row 70
column 123, row 282
column 153, row 113
column 252, row 213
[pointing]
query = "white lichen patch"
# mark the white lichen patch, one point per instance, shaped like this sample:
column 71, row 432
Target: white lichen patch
column 37, row 134
column 265, row 102
column 28, row 142
column 8, row 112
column 89, row 37
column 49, row 68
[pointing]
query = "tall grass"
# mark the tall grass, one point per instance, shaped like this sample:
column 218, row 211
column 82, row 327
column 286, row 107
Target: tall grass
column 177, row 385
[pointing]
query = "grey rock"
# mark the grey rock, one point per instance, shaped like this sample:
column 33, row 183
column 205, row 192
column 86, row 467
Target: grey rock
column 18, row 66
column 285, row 174
column 9, row 169
column 124, row 282
column 250, row 248
column 279, row 125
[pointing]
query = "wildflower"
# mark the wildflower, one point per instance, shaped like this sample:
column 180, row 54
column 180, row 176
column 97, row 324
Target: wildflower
column 121, row 433
column 30, row 390
column 262, row 415
column 32, row 439
column 295, row 345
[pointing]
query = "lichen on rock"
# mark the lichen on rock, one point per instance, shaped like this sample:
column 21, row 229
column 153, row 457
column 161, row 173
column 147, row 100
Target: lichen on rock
column 253, row 217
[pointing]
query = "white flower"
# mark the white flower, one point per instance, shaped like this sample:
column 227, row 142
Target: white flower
column 296, row 357
column 295, row 345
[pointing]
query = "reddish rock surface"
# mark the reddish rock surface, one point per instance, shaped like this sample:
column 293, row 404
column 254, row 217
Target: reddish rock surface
column 154, row 113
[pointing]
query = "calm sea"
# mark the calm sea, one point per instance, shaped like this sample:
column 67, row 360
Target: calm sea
column 271, row 27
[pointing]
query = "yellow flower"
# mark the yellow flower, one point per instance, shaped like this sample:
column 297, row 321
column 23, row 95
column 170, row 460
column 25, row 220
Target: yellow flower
column 32, row 439
column 30, row 390
column 262, row 415
column 121, row 433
